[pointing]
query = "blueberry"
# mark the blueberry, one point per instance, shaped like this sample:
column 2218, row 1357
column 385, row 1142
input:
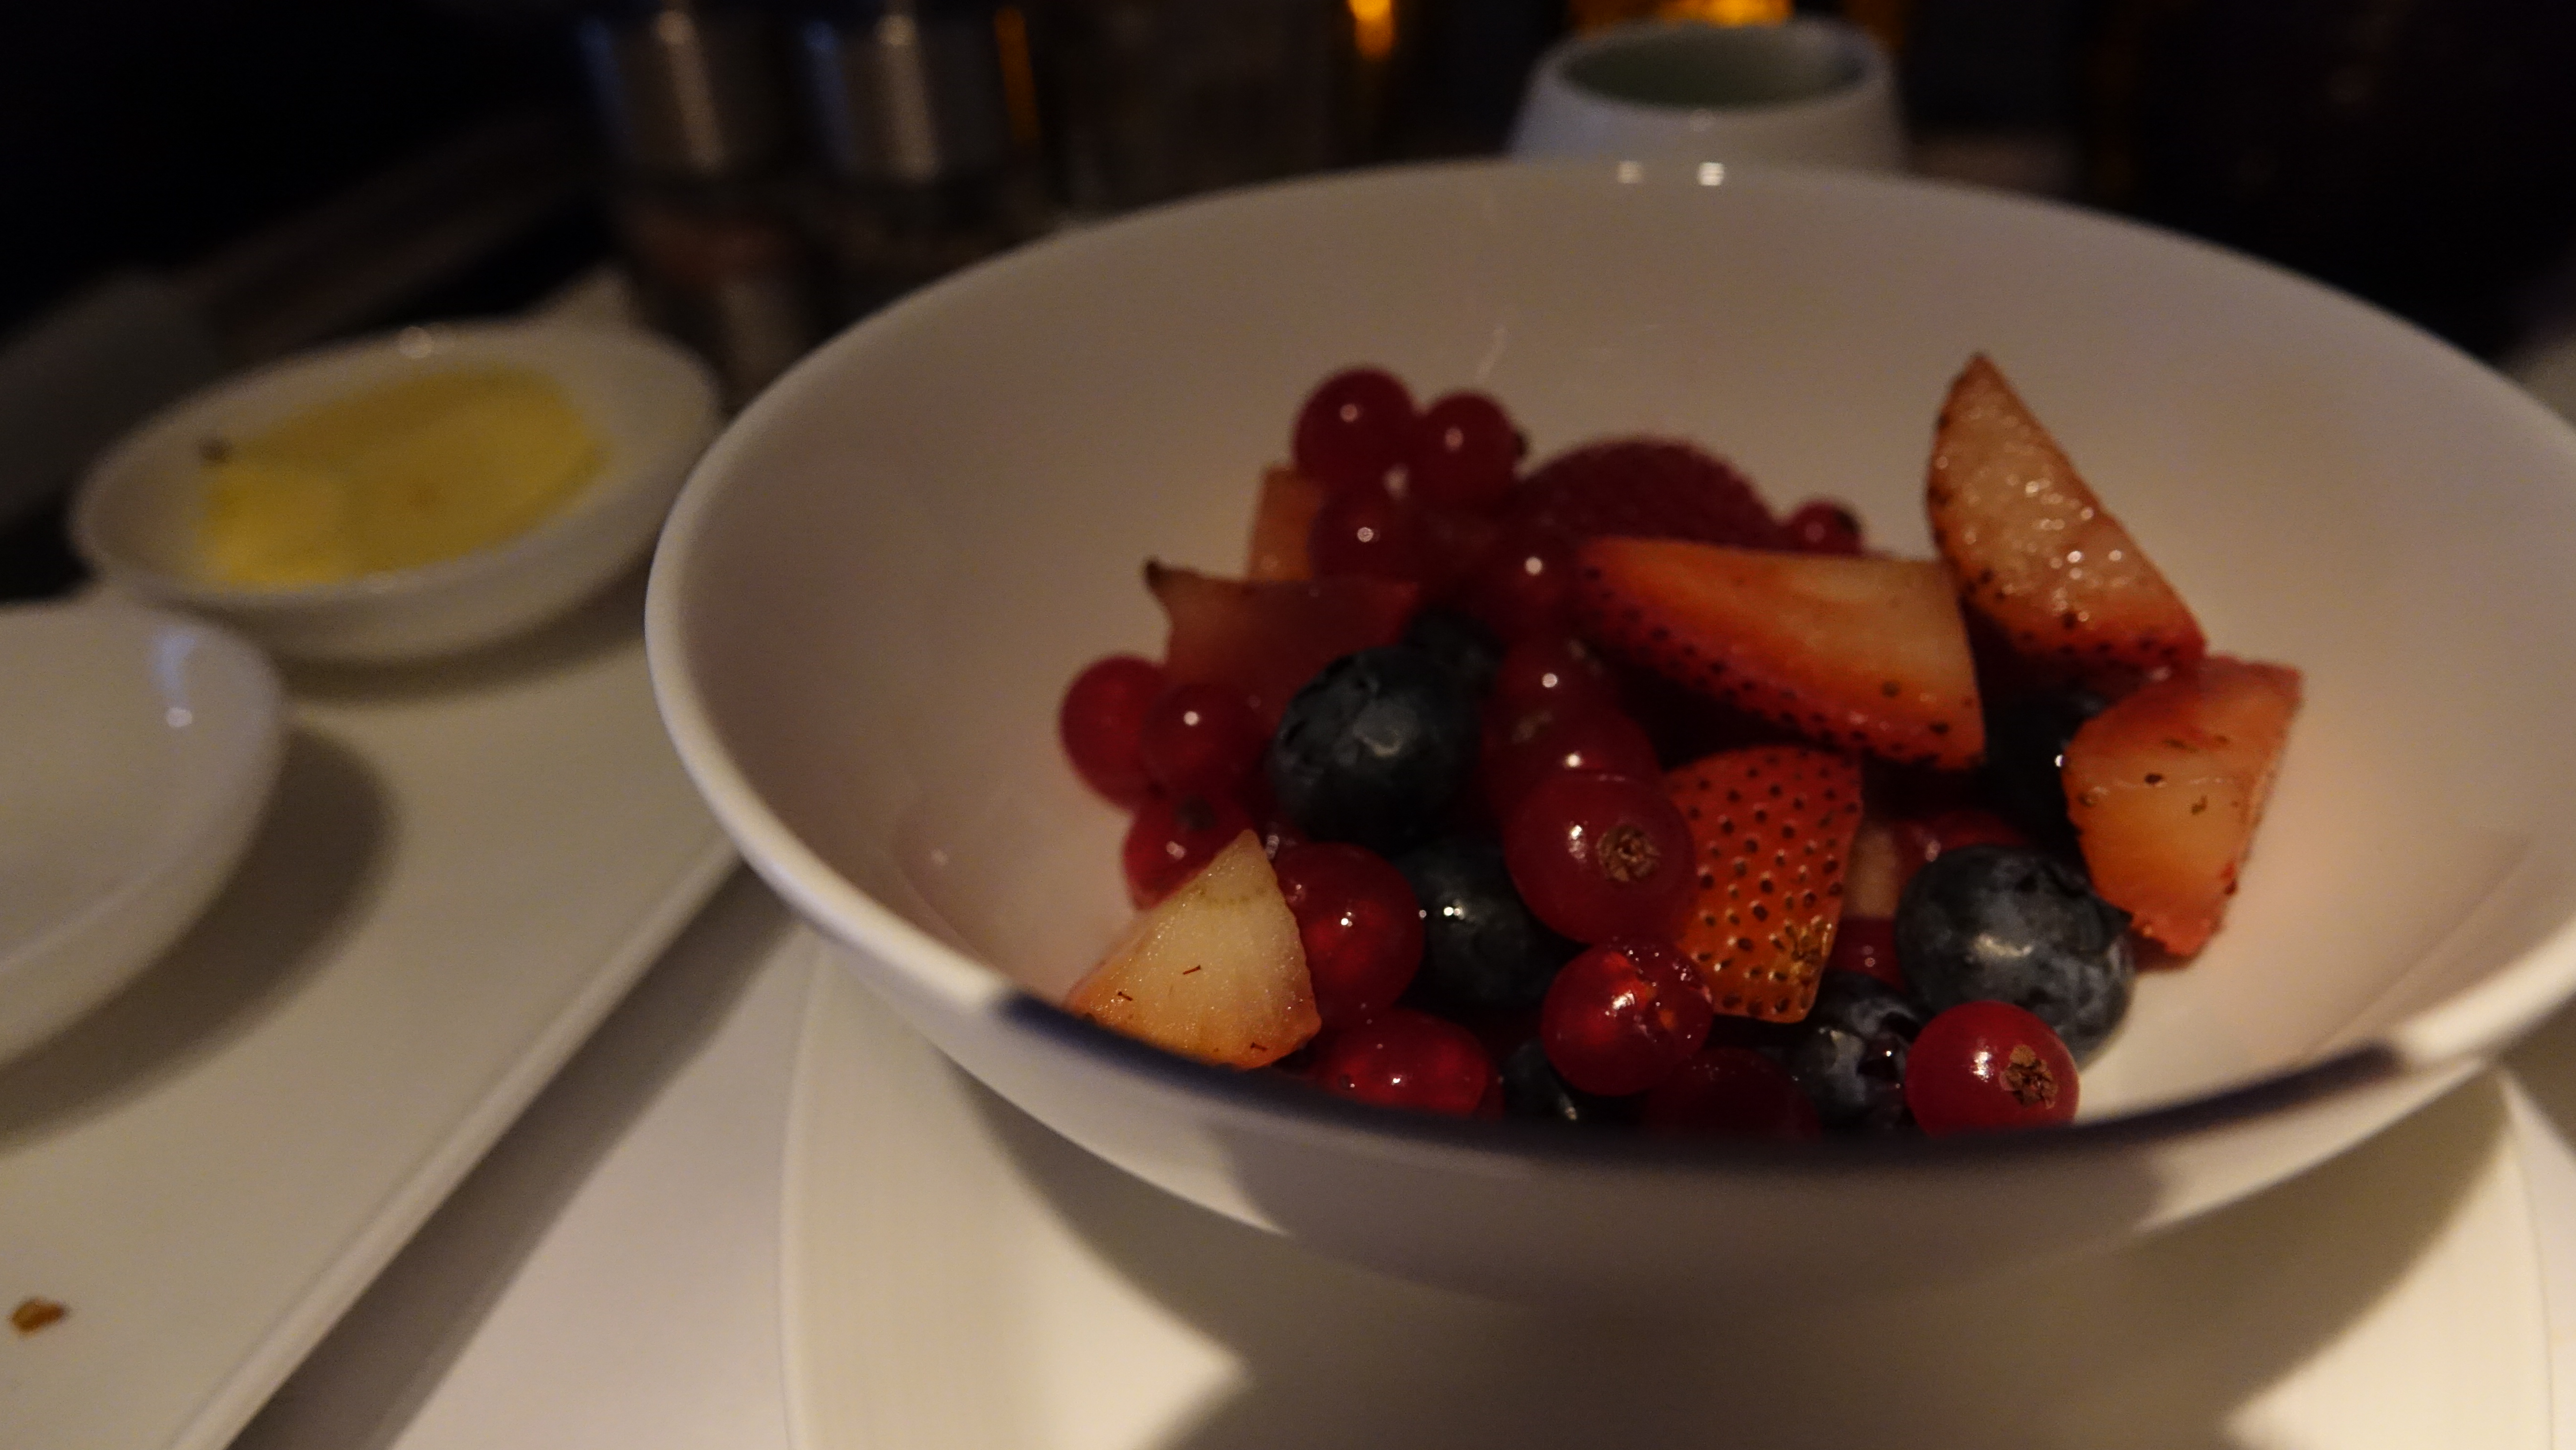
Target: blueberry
column 1850, row 1051
column 1531, row 1089
column 2026, row 739
column 1468, row 648
column 2012, row 924
column 1481, row 949
column 1374, row 749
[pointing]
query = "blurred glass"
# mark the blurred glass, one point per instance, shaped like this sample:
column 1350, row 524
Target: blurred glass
column 1145, row 100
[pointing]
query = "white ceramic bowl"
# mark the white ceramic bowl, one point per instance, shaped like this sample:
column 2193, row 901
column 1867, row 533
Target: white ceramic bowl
column 880, row 579
column 1808, row 92
column 141, row 750
column 651, row 404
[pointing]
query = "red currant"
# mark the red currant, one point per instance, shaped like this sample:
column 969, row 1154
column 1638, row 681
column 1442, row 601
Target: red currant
column 1355, row 429
column 1620, row 1017
column 1731, row 1092
column 1987, row 1065
column 1821, row 526
column 1370, row 533
column 1405, row 1059
column 1200, row 739
column 1465, row 451
column 1552, row 670
column 1598, row 740
column 1919, row 843
column 1171, row 838
column 1601, row 858
column 1519, row 587
column 1867, row 945
column 1100, row 722
column 1360, row 923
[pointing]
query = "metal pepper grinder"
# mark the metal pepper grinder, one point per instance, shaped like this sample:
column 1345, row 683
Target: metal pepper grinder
column 920, row 115
column 695, row 105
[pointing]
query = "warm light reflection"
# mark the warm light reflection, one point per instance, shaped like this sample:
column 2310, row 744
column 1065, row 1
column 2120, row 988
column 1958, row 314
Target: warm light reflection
column 1593, row 14
column 1373, row 28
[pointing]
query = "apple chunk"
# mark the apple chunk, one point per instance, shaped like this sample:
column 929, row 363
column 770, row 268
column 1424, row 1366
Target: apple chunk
column 1217, row 971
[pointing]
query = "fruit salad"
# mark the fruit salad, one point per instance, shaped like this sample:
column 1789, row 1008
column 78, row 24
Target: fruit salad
column 1597, row 791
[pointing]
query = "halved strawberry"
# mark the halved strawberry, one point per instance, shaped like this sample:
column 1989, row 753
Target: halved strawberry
column 1860, row 653
column 2165, row 788
column 1281, row 519
column 1216, row 972
column 2035, row 551
column 1648, row 488
column 1771, row 827
column 1267, row 640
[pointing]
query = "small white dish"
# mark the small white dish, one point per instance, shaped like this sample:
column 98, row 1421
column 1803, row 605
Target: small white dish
column 142, row 747
column 650, row 403
column 1809, row 92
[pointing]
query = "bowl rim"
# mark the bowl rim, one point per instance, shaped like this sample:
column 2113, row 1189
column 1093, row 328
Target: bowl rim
column 2449, row 1035
column 635, row 361
column 247, row 775
column 1870, row 71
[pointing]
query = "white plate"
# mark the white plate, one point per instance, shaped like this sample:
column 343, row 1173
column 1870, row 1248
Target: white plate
column 957, row 1276
column 462, row 870
column 141, row 750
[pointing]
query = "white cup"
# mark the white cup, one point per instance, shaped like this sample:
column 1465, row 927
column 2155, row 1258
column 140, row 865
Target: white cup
column 1805, row 92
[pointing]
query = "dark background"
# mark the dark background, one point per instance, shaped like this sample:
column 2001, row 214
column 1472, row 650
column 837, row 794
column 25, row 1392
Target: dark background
column 2419, row 152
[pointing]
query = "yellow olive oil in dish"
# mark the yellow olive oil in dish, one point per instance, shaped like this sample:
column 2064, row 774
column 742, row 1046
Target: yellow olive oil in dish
column 393, row 477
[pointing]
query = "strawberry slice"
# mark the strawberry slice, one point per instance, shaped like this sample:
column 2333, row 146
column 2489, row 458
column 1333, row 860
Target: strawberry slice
column 1648, row 488
column 1216, row 972
column 1772, row 827
column 1281, row 519
column 1269, row 639
column 2165, row 788
column 1856, row 652
column 2035, row 551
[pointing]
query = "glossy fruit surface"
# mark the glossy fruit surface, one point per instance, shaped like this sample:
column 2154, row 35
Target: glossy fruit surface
column 1362, row 931
column 1731, row 1092
column 1866, row 945
column 1601, row 858
column 1465, row 452
column 1101, row 720
column 2033, row 549
column 1770, row 827
column 2026, row 737
column 1984, row 1066
column 1619, row 1018
column 1920, row 840
column 1821, row 526
column 2011, row 924
column 1853, row 652
column 1553, row 670
column 1851, row 1050
column 1482, row 950
column 1200, row 740
column 1370, row 534
column 2166, row 786
column 1171, row 838
column 1214, row 972
column 1594, row 740
column 1648, row 488
column 1267, row 640
column 1374, row 749
column 1405, row 1059
column 1354, row 429
column 1518, row 585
